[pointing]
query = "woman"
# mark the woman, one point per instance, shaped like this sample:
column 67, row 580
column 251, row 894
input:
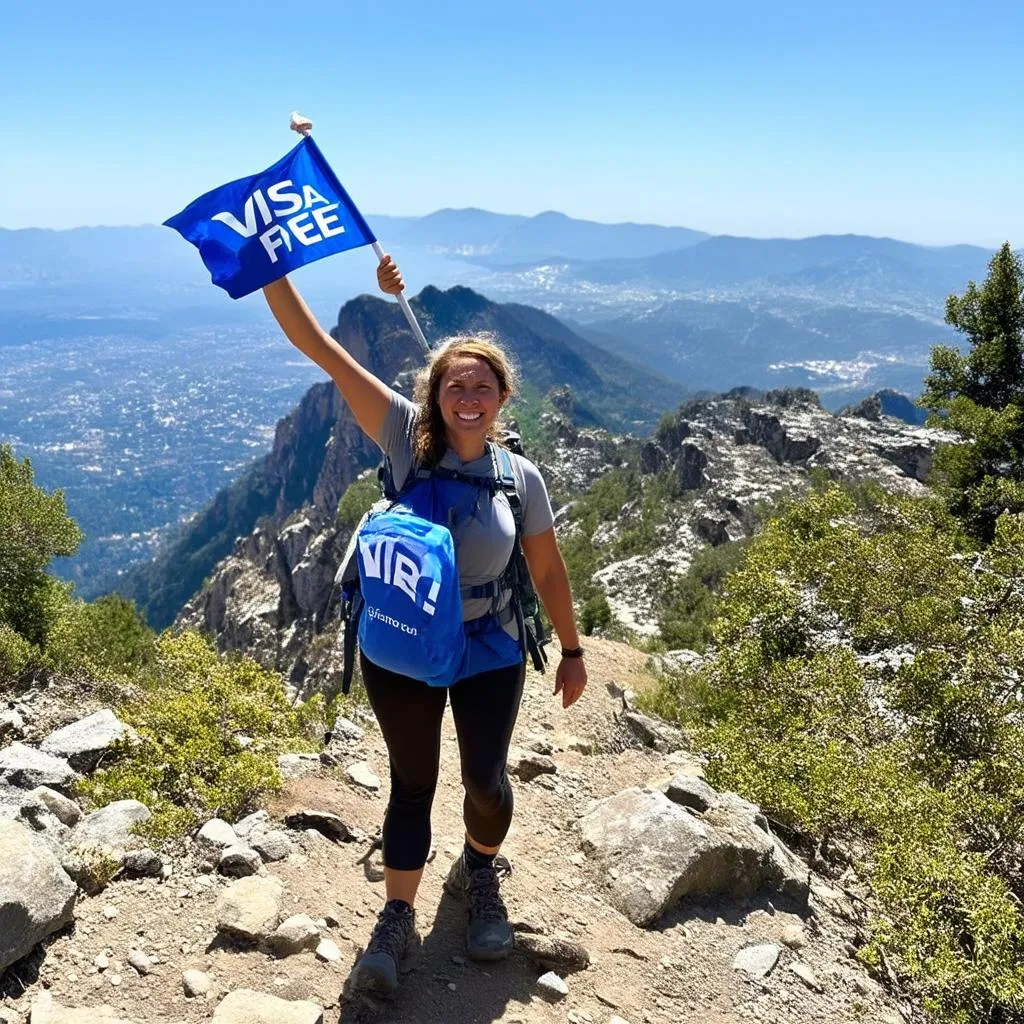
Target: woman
column 460, row 395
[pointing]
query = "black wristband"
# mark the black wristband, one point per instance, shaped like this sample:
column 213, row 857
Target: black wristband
column 572, row 652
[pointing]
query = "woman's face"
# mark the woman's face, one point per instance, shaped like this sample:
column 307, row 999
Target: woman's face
column 469, row 397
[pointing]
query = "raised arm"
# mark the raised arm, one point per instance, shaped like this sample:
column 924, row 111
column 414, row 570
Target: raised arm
column 367, row 396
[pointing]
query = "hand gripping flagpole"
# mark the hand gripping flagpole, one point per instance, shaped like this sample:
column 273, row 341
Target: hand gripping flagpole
column 304, row 127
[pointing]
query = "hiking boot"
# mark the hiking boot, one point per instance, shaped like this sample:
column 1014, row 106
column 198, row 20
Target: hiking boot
column 394, row 939
column 489, row 936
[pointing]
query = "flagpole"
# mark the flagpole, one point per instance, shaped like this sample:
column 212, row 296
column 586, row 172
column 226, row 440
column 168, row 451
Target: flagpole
column 304, row 127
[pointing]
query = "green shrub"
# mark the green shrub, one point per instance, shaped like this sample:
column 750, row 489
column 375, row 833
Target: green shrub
column 190, row 711
column 34, row 528
column 865, row 685
column 16, row 653
column 107, row 636
column 359, row 496
column 596, row 614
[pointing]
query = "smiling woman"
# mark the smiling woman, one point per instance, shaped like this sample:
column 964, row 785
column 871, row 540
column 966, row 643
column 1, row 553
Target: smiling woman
column 447, row 438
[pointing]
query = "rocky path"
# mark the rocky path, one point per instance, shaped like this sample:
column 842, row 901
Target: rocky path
column 157, row 949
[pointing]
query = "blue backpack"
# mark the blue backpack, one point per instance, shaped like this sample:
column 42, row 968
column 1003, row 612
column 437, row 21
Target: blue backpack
column 401, row 593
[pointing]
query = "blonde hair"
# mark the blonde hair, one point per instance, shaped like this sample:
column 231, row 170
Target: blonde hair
column 429, row 442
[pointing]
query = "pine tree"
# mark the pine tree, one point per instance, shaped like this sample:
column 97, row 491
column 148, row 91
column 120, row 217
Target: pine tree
column 980, row 396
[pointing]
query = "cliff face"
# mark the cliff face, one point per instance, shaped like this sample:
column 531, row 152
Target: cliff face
column 318, row 449
column 724, row 458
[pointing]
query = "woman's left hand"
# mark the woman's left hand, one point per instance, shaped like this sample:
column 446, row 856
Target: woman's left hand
column 570, row 680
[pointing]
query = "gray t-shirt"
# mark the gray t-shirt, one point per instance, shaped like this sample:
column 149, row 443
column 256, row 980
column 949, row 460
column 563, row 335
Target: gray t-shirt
column 483, row 542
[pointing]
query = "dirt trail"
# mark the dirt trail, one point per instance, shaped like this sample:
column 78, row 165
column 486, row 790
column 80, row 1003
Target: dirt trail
column 679, row 971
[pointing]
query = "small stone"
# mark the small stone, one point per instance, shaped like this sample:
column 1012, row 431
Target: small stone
column 143, row 863
column 553, row 953
column 196, row 983
column 140, row 962
column 272, row 845
column 324, row 822
column 794, row 936
column 250, row 908
column 617, row 1020
column 460, row 960
column 526, row 765
column 346, row 731
column 552, row 987
column 452, row 987
column 806, row 975
column 102, row 962
column 360, row 774
column 110, row 912
column 757, row 961
column 328, row 951
column 239, row 861
column 114, row 979
column 295, row 934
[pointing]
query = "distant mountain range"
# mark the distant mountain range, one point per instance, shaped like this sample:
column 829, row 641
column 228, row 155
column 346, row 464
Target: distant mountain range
column 845, row 314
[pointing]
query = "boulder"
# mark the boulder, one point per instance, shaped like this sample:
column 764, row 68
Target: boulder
column 12, row 725
column 295, row 766
column 251, row 823
column 690, row 791
column 250, row 909
column 654, row 733
column 84, row 742
column 272, row 845
column 46, row 1011
column 26, row 767
column 215, row 837
column 66, row 810
column 239, row 861
column 245, row 1006
column 652, row 852
column 144, row 863
column 37, row 897
column 110, row 828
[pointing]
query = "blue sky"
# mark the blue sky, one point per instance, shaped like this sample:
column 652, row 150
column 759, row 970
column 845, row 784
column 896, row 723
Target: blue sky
column 900, row 119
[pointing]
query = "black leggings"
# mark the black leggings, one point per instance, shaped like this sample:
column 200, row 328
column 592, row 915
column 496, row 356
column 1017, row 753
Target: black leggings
column 409, row 713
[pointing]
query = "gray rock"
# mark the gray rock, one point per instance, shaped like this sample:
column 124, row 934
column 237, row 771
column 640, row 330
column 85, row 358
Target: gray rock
column 250, row 823
column 66, row 810
column 12, row 725
column 250, row 909
column 84, row 742
column 526, row 765
column 552, row 953
column 111, row 828
column 794, row 936
column 551, row 987
column 143, row 863
column 757, row 961
column 196, row 983
column 273, row 845
column 360, row 774
column 652, row 852
column 25, row 767
column 807, row 976
column 37, row 897
column 245, row 1006
column 215, row 836
column 46, row 1011
column 40, row 818
column 327, row 950
column 345, row 730
column 293, row 935
column 239, row 861
column 654, row 733
column 323, row 821
column 295, row 766
column 140, row 962
column 689, row 791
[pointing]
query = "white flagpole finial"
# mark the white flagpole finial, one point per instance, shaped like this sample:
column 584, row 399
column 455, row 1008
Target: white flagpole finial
column 301, row 124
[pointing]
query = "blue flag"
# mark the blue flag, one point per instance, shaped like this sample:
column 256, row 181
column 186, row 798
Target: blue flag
column 254, row 230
